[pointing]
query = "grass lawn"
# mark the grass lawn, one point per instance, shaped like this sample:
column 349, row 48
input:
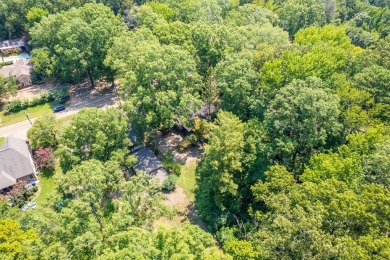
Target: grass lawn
column 187, row 179
column 20, row 116
column 65, row 121
column 2, row 139
column 48, row 184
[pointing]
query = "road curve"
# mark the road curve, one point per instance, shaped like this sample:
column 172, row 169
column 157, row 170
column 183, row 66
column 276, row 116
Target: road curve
column 20, row 129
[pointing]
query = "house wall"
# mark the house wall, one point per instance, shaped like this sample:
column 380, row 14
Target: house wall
column 31, row 177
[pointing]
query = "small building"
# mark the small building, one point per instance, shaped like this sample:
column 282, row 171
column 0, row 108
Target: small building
column 148, row 163
column 16, row 162
column 21, row 70
column 135, row 139
column 10, row 46
column 205, row 112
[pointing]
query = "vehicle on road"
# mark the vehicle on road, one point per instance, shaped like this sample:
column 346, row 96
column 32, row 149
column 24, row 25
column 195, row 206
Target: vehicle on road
column 59, row 108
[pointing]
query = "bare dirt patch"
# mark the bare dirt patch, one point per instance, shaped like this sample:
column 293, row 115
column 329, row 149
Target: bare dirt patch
column 186, row 211
column 30, row 92
column 170, row 141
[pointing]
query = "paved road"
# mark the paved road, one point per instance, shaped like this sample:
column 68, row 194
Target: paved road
column 20, row 129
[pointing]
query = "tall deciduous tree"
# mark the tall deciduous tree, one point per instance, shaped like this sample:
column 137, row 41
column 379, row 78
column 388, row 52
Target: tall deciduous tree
column 44, row 132
column 220, row 172
column 298, row 14
column 95, row 134
column 300, row 120
column 159, row 82
column 77, row 41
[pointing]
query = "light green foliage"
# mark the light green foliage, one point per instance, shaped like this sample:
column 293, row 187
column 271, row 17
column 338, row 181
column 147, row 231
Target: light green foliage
column 301, row 119
column 250, row 14
column 44, row 132
column 221, row 169
column 241, row 250
column 362, row 160
column 76, row 42
column 14, row 241
column 170, row 183
column 35, row 15
column 95, row 134
column 322, row 53
column 8, row 87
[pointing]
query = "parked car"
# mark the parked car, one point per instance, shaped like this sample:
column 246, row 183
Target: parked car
column 64, row 99
column 25, row 207
column 33, row 183
column 59, row 108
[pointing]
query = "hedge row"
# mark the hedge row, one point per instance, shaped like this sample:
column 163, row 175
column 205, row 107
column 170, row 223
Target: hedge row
column 18, row 105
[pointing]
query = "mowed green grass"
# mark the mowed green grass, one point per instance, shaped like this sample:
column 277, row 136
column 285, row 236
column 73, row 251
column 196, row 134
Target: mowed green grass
column 2, row 139
column 48, row 185
column 20, row 116
column 65, row 121
column 187, row 179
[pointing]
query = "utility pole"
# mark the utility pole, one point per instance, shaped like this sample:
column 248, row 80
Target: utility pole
column 25, row 112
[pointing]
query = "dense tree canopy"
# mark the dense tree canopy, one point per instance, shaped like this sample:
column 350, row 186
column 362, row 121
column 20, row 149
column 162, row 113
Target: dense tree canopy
column 76, row 42
column 95, row 134
column 296, row 154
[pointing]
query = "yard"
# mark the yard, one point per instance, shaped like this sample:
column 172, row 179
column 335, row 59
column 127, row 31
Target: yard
column 187, row 179
column 182, row 199
column 37, row 111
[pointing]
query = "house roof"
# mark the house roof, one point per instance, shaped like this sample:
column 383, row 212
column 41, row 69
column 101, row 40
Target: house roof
column 15, row 161
column 147, row 161
column 134, row 136
column 19, row 68
column 14, row 43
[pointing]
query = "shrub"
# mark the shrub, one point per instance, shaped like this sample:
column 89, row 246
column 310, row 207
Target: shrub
column 189, row 140
column 170, row 164
column 18, row 105
column 2, row 64
column 170, row 182
column 13, row 106
column 18, row 194
column 44, row 157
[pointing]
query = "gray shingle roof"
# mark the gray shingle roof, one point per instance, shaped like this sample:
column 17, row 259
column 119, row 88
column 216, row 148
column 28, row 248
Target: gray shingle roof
column 15, row 161
column 19, row 68
column 147, row 161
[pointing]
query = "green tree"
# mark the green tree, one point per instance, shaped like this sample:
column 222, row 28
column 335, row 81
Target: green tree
column 219, row 174
column 159, row 82
column 301, row 119
column 44, row 132
column 8, row 87
column 76, row 42
column 297, row 14
column 95, row 134
column 250, row 14
column 35, row 15
column 238, row 83
column 15, row 242
column 375, row 80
